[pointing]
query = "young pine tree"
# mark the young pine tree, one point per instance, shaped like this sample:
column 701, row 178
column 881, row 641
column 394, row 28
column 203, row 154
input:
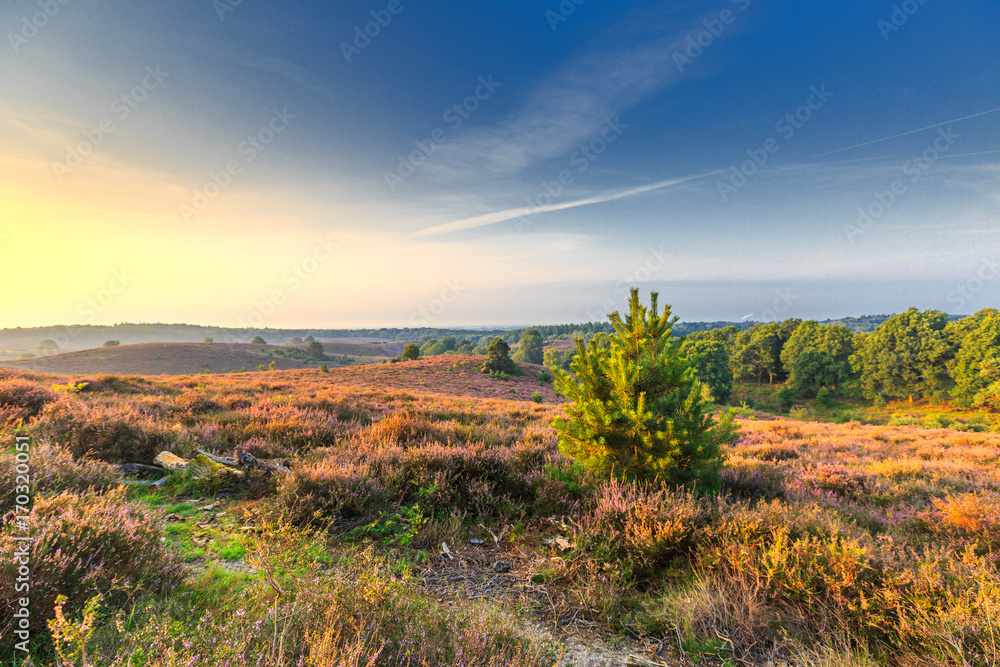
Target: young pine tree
column 636, row 407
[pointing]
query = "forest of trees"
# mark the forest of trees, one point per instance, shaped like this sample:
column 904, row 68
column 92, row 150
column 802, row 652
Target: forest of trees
column 912, row 354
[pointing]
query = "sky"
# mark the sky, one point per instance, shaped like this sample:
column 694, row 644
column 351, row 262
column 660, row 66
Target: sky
column 396, row 163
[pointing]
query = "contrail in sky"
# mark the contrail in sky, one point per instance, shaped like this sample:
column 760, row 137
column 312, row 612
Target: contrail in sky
column 903, row 134
column 513, row 213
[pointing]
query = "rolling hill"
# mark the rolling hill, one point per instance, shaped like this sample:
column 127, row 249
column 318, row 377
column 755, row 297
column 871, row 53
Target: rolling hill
column 188, row 358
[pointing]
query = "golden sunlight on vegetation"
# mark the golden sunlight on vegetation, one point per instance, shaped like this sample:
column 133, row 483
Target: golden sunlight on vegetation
column 829, row 544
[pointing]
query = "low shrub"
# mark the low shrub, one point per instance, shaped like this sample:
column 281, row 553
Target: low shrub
column 193, row 405
column 403, row 427
column 262, row 449
column 970, row 517
column 51, row 470
column 83, row 545
column 328, row 492
column 116, row 433
column 645, row 524
column 22, row 399
column 129, row 384
column 751, row 479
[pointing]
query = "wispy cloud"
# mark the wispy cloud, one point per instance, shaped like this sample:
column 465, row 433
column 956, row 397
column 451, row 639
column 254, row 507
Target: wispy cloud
column 298, row 75
column 40, row 129
column 513, row 213
column 575, row 101
column 287, row 70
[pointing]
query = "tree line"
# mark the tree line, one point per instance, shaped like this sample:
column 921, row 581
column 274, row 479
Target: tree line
column 915, row 353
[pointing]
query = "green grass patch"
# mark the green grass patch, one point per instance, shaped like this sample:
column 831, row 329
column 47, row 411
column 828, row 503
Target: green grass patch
column 232, row 551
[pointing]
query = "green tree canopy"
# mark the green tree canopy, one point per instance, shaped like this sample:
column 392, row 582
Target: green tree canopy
column 814, row 369
column 498, row 358
column 636, row 408
column 449, row 342
column 908, row 354
column 410, row 351
column 837, row 342
column 315, row 350
column 976, row 360
column 989, row 396
column 710, row 360
column 725, row 335
column 258, row 340
column 530, row 348
column 958, row 330
column 432, row 348
column 556, row 360
column 757, row 351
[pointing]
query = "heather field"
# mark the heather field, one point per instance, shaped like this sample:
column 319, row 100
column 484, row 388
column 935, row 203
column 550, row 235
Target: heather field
column 428, row 518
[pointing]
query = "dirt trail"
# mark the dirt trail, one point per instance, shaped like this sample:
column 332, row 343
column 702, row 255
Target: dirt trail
column 480, row 572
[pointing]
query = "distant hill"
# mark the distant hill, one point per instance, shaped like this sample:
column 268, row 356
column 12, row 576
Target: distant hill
column 81, row 337
column 190, row 358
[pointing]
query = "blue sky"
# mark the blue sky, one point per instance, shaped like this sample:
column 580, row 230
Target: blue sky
column 525, row 163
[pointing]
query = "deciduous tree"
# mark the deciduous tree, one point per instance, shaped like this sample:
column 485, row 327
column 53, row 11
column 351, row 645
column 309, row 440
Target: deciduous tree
column 908, row 354
column 977, row 360
column 711, row 362
column 530, row 347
